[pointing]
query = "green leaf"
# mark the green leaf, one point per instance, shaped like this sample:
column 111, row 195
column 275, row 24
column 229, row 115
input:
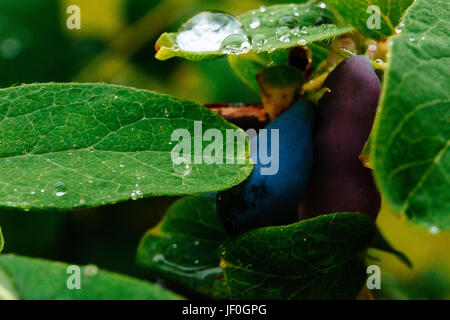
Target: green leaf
column 279, row 27
column 35, row 279
column 320, row 258
column 66, row 146
column 357, row 14
column 410, row 146
column 183, row 248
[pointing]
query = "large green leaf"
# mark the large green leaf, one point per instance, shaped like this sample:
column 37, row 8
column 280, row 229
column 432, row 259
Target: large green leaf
column 268, row 29
column 410, row 148
column 65, row 146
column 357, row 13
column 183, row 248
column 35, row 279
column 320, row 258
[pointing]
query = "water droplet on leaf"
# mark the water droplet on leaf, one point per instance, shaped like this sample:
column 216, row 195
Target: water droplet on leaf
column 235, row 44
column 255, row 23
column 60, row 188
column 207, row 30
column 288, row 21
column 182, row 169
column 258, row 40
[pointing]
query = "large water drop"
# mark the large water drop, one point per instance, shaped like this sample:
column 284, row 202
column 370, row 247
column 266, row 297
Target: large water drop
column 207, row 30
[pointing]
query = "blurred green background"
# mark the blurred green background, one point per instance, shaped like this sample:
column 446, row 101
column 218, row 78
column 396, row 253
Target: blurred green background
column 116, row 45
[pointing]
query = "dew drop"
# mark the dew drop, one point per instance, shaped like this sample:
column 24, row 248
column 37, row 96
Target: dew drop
column 288, row 21
column 136, row 194
column 285, row 38
column 196, row 261
column 398, row 29
column 283, row 34
column 255, row 23
column 60, row 188
column 174, row 246
column 258, row 40
column 235, row 44
column 182, row 169
column 207, row 30
column 302, row 42
column 269, row 21
column 282, row 31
